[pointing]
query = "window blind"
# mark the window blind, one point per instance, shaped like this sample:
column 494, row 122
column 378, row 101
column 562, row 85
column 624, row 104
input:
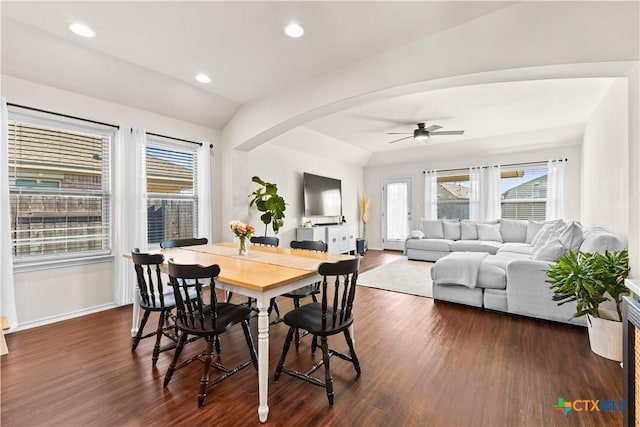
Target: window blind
column 172, row 201
column 59, row 181
column 523, row 191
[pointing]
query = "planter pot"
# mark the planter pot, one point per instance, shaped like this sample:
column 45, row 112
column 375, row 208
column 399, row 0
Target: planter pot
column 605, row 337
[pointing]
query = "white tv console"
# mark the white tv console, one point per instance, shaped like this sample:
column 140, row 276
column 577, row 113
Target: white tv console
column 339, row 238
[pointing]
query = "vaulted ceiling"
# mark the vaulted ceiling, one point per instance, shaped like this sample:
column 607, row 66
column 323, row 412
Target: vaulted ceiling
column 146, row 54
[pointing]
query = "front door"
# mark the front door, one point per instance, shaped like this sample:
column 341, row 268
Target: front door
column 397, row 212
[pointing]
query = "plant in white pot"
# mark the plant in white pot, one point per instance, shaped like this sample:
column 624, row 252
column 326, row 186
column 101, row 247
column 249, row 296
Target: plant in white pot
column 594, row 281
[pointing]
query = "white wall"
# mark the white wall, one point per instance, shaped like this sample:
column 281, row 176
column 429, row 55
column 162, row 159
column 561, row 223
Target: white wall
column 605, row 160
column 284, row 166
column 57, row 293
column 374, row 175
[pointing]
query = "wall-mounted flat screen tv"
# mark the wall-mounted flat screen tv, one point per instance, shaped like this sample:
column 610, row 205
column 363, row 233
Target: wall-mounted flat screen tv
column 322, row 195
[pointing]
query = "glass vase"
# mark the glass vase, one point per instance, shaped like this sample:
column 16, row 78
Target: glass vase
column 242, row 246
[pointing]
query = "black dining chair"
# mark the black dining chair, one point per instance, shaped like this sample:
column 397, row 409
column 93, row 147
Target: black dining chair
column 310, row 290
column 176, row 243
column 153, row 297
column 330, row 317
column 205, row 318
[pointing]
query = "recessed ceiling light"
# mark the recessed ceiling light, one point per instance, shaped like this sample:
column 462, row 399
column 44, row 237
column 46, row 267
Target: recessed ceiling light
column 82, row 30
column 203, row 78
column 294, row 30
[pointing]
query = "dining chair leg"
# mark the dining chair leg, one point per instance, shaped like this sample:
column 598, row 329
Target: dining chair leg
column 143, row 322
column 354, row 358
column 285, row 349
column 217, row 342
column 204, row 380
column 174, row 362
column 249, row 339
column 296, row 304
column 156, row 347
column 328, row 379
column 314, row 344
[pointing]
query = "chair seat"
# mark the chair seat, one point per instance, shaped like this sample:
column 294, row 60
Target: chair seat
column 228, row 315
column 303, row 292
column 169, row 302
column 309, row 318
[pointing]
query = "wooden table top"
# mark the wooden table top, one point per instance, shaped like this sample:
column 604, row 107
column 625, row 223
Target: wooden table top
column 262, row 269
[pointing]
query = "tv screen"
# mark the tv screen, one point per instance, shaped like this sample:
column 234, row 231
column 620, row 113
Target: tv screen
column 322, row 195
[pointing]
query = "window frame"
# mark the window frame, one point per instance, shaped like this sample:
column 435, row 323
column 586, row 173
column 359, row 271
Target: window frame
column 108, row 135
column 167, row 143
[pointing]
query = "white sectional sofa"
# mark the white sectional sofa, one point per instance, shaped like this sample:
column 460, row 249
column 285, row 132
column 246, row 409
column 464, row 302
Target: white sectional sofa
column 505, row 266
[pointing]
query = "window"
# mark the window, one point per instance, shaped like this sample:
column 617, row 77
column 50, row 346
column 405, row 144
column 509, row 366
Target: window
column 453, row 194
column 172, row 197
column 523, row 191
column 59, row 184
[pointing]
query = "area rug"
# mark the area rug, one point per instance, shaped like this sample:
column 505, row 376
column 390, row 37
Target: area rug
column 402, row 275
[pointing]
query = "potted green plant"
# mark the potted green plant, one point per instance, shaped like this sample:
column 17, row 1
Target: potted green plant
column 591, row 279
column 267, row 200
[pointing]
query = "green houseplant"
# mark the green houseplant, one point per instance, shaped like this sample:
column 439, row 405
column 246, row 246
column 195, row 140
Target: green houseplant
column 591, row 279
column 267, row 200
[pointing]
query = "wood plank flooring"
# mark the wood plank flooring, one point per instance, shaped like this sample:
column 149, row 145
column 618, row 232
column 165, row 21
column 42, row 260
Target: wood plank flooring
column 423, row 364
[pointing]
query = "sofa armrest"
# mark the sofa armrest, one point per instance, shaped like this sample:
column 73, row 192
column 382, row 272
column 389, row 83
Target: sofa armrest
column 529, row 294
column 415, row 234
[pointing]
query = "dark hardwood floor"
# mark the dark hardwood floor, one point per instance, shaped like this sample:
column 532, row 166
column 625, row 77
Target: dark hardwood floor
column 423, row 364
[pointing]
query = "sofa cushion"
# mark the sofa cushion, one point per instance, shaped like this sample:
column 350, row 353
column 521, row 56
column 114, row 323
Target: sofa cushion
column 493, row 273
column 438, row 245
column 549, row 228
column 598, row 240
column 451, row 230
column 475, row 246
column 468, row 230
column 489, row 232
column 513, row 230
column 518, row 248
column 432, row 229
column 550, row 251
column 572, row 236
column 532, row 229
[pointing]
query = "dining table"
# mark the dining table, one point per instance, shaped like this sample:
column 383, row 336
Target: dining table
column 263, row 273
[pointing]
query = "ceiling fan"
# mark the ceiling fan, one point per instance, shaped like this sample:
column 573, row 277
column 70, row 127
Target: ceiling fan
column 422, row 133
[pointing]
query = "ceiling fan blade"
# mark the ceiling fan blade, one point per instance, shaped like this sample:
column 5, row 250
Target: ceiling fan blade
column 396, row 140
column 448, row 132
column 399, row 133
column 433, row 127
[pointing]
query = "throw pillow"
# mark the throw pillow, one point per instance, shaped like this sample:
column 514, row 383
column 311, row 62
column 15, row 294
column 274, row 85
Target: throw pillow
column 489, row 232
column 545, row 232
column 513, row 230
column 572, row 236
column 451, row 230
column 468, row 230
column 432, row 229
column 532, row 229
column 416, row 234
column 550, row 251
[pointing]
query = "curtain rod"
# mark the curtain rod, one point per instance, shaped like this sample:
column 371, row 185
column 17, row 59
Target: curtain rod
column 39, row 110
column 63, row 115
column 510, row 164
column 178, row 139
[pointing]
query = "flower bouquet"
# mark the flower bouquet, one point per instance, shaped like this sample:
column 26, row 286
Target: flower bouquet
column 243, row 232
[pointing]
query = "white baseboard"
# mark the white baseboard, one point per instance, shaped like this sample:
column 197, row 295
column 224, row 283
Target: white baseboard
column 59, row 318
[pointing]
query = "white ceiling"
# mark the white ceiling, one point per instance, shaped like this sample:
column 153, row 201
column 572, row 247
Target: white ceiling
column 146, row 55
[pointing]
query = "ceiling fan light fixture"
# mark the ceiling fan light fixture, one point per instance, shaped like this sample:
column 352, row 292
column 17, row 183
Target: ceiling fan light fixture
column 420, row 134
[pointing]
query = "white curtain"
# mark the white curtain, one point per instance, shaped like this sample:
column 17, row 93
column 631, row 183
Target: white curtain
column 431, row 195
column 130, row 222
column 555, row 189
column 484, row 193
column 475, row 194
column 8, row 300
column 204, row 191
column 492, row 196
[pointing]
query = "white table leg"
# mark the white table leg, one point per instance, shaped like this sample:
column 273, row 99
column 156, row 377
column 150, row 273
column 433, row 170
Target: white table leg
column 136, row 313
column 263, row 357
